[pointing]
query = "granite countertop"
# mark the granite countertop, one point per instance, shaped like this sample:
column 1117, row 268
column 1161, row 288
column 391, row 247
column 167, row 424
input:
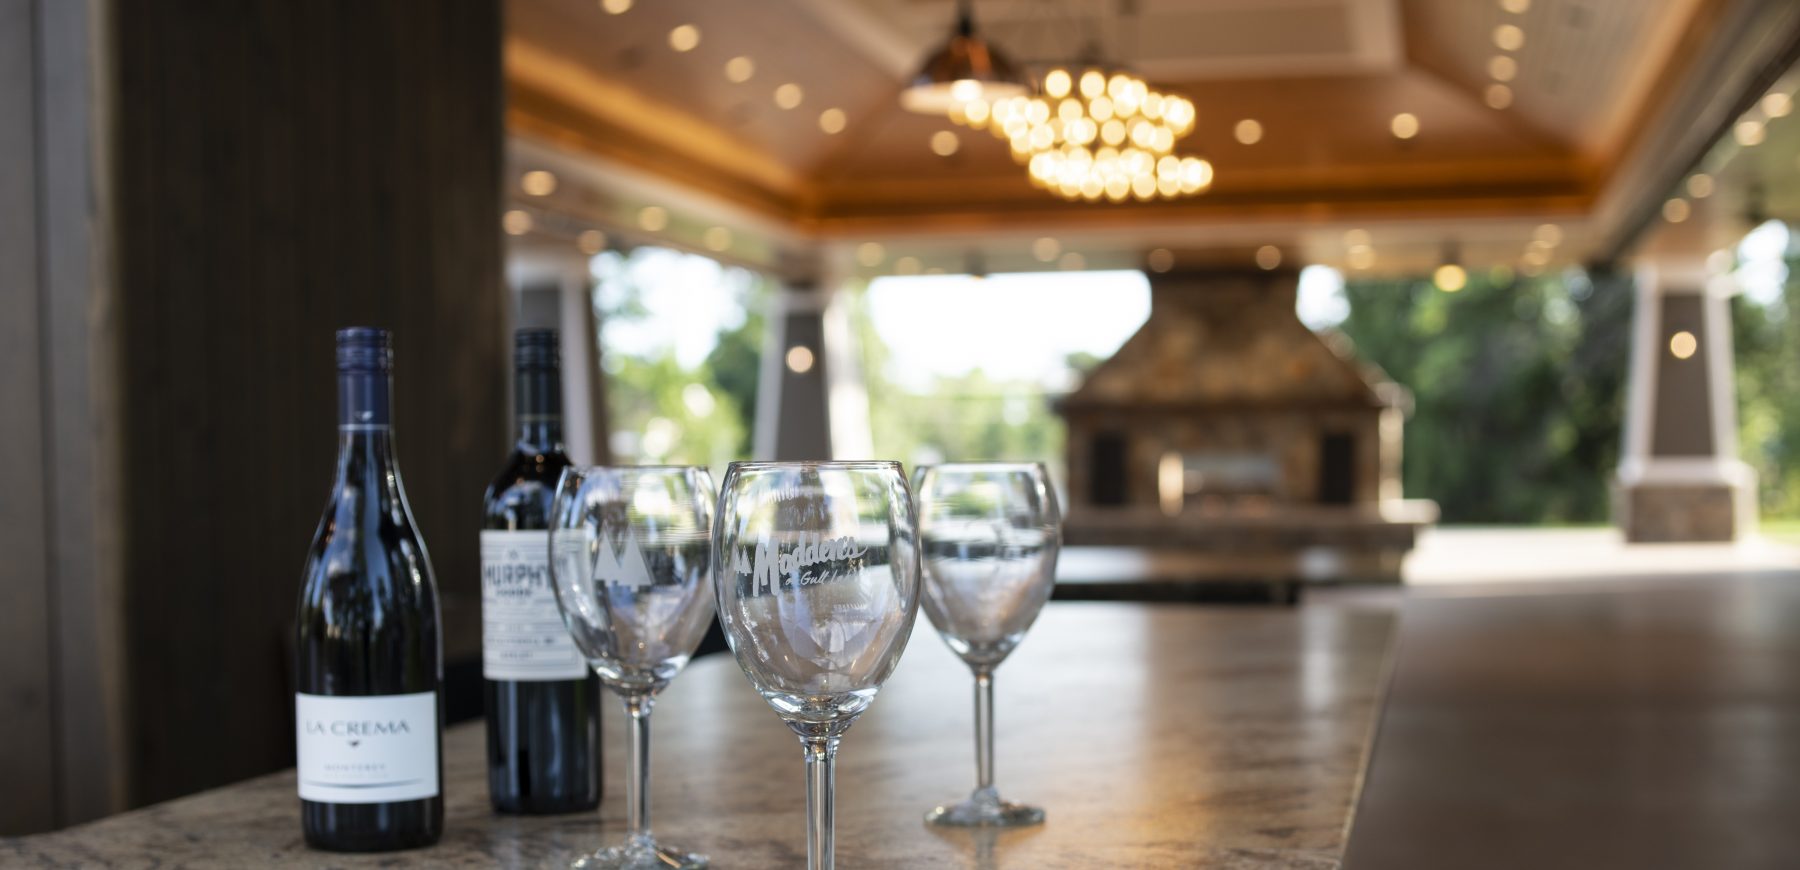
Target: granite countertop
column 1152, row 736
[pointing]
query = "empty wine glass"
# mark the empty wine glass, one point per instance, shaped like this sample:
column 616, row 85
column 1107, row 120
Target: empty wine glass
column 817, row 571
column 631, row 562
column 988, row 537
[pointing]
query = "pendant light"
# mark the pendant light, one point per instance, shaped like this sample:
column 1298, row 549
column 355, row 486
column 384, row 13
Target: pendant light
column 965, row 68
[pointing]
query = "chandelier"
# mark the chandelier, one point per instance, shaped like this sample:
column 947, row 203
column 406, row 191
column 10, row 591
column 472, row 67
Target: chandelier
column 1089, row 135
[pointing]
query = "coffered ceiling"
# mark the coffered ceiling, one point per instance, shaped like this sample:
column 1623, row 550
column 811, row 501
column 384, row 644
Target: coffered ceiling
column 1322, row 78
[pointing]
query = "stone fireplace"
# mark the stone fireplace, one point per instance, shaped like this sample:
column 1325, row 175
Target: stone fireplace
column 1228, row 429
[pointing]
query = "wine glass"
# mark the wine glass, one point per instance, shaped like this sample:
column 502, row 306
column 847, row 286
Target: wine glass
column 988, row 536
column 631, row 563
column 817, row 572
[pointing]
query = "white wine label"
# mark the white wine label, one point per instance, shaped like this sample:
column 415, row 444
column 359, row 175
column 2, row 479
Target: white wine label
column 367, row 749
column 523, row 637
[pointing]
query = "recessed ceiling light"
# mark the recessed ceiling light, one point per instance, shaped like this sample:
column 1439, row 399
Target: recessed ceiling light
column 1516, row 7
column 717, row 239
column 1268, row 257
column 616, row 7
column 1675, row 210
column 1683, row 344
column 1356, row 239
column 788, row 96
column 870, row 254
column 591, row 241
column 944, row 143
column 684, row 37
column 653, row 218
column 739, row 69
column 1777, row 104
column 1748, row 133
column 832, row 121
column 799, row 359
column 1248, row 131
column 1502, row 67
column 1072, row 262
column 516, row 222
column 1361, row 257
column 1160, row 260
column 906, row 266
column 1046, row 249
column 1404, row 126
column 538, row 182
column 1549, row 234
column 1509, row 37
column 1700, row 185
column 1498, row 96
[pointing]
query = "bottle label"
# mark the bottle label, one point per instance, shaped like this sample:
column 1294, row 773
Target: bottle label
column 367, row 749
column 523, row 638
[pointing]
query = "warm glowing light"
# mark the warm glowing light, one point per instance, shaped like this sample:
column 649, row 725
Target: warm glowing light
column 717, row 239
column 1749, row 133
column 906, row 266
column 591, row 242
column 1072, row 262
column 1357, row 239
column 684, row 37
column 1171, row 483
column 788, row 96
column 1361, row 257
column 1509, row 37
column 1248, row 131
column 1404, row 126
column 1058, row 83
column 538, row 182
column 1268, row 257
column 1675, row 210
column 1516, row 7
column 740, row 69
column 1046, row 249
column 945, row 143
column 870, row 254
column 832, row 121
column 516, row 222
column 1160, row 260
column 1777, row 104
column 1498, row 96
column 1502, row 68
column 1700, row 185
column 964, row 90
column 1683, row 344
column 616, row 7
column 1550, row 235
column 799, row 359
column 1450, row 278
column 653, row 218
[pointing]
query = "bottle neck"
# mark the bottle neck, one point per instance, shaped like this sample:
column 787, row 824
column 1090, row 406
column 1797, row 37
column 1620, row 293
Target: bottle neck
column 365, row 431
column 537, row 407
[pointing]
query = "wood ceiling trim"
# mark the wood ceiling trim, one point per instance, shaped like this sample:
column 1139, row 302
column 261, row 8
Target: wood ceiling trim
column 551, row 95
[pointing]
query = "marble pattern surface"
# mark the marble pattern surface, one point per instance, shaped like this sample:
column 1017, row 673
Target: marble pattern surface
column 1153, row 736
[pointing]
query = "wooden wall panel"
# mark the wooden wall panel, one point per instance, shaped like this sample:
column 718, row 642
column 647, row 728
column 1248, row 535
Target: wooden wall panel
column 285, row 169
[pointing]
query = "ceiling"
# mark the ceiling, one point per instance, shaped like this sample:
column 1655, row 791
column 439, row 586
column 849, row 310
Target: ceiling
column 605, row 99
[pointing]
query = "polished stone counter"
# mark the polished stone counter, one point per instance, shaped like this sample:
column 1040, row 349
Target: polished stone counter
column 1153, row 737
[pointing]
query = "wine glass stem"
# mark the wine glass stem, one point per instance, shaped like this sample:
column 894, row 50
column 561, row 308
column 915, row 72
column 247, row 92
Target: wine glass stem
column 637, row 781
column 984, row 727
column 821, row 783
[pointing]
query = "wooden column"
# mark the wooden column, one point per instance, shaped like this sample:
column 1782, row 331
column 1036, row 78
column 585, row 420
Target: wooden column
column 284, row 169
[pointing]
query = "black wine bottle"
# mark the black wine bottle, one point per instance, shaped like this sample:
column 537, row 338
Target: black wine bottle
column 543, row 702
column 368, row 714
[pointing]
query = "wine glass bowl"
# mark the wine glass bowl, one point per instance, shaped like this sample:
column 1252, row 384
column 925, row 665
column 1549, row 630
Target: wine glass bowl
column 631, row 563
column 817, row 578
column 989, row 536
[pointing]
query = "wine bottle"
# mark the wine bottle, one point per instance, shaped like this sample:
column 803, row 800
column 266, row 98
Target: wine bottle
column 368, row 714
column 543, row 702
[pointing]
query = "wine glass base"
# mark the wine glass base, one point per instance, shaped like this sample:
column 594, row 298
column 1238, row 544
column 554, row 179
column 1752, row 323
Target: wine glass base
column 985, row 809
column 644, row 855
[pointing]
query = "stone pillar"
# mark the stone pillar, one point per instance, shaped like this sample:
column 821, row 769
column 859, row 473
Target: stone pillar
column 1680, row 478
column 811, row 403
column 553, row 288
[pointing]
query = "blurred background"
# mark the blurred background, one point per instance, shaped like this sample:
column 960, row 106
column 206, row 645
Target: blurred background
column 1432, row 292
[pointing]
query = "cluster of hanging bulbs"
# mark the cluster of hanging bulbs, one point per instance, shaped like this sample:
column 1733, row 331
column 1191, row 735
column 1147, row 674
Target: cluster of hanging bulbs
column 1094, row 135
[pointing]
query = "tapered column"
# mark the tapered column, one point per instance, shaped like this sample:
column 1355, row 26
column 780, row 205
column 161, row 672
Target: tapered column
column 811, row 403
column 1680, row 478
